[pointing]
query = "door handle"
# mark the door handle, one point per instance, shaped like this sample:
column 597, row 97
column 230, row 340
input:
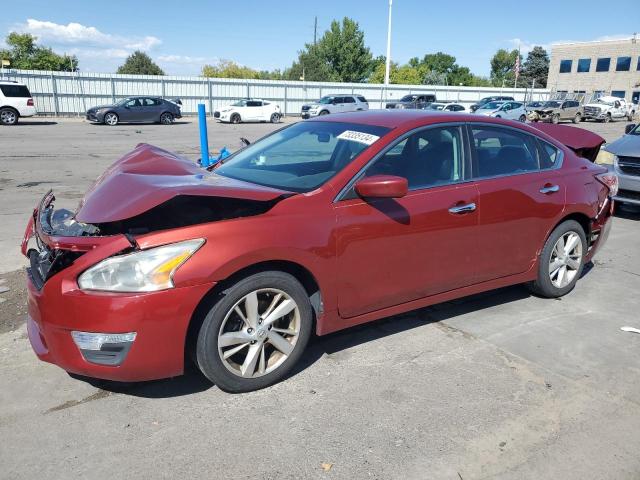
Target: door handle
column 459, row 209
column 547, row 189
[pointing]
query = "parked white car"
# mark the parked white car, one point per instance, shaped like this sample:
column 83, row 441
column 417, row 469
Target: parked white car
column 608, row 108
column 447, row 107
column 335, row 104
column 249, row 110
column 15, row 102
column 508, row 110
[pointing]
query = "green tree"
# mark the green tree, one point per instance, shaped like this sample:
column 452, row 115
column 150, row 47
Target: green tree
column 139, row 63
column 23, row 53
column 536, row 67
column 340, row 55
column 502, row 64
column 229, row 69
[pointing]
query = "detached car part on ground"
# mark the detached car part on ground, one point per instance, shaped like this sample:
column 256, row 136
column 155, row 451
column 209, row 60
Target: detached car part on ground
column 335, row 104
column 622, row 157
column 555, row 111
column 15, row 102
column 249, row 110
column 317, row 227
column 136, row 110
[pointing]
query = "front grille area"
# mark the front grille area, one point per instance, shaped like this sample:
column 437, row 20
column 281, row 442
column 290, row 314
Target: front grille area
column 591, row 111
column 629, row 165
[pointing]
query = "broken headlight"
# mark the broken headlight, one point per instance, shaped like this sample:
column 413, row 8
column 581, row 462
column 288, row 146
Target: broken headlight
column 142, row 271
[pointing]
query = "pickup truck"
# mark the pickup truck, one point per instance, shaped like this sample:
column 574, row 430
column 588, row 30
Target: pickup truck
column 608, row 108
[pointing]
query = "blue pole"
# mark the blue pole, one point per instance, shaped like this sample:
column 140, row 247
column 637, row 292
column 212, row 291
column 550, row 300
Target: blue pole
column 204, row 138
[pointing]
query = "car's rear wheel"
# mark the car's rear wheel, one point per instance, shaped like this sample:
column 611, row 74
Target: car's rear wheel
column 555, row 119
column 235, row 118
column 577, row 118
column 166, row 118
column 561, row 261
column 523, row 118
column 8, row 116
column 255, row 333
column 275, row 118
column 111, row 119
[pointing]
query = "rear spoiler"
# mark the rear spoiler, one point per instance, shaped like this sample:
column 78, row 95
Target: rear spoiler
column 584, row 143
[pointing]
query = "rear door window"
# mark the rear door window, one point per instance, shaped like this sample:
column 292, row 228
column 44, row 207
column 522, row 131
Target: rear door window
column 501, row 151
column 349, row 100
column 15, row 91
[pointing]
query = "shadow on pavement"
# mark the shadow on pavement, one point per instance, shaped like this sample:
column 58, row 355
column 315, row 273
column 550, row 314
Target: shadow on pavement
column 33, row 123
column 194, row 382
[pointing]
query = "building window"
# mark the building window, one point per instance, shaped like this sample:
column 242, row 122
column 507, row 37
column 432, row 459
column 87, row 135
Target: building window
column 623, row 64
column 603, row 64
column 565, row 66
column 618, row 93
column 584, row 65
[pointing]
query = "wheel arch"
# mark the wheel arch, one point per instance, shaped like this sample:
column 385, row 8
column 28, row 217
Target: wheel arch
column 298, row 271
column 582, row 218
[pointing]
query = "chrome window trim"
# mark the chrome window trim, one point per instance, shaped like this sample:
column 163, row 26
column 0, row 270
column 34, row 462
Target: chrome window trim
column 466, row 156
column 537, row 138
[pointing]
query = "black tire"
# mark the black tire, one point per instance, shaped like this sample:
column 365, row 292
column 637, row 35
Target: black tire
column 166, row 118
column 498, row 116
column 607, row 119
column 235, row 118
column 522, row 118
column 324, row 112
column 111, row 119
column 577, row 118
column 275, row 118
column 207, row 356
column 9, row 116
column 543, row 285
column 555, row 119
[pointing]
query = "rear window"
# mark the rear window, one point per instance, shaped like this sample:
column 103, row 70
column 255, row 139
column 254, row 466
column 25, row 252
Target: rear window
column 15, row 91
column 349, row 100
column 362, row 99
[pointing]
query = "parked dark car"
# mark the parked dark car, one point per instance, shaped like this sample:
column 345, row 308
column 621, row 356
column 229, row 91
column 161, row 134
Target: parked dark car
column 136, row 110
column 494, row 98
column 413, row 101
column 320, row 226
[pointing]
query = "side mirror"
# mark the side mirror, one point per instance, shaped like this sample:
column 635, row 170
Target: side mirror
column 629, row 128
column 382, row 186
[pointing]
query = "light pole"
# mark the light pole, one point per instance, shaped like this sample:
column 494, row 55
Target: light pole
column 388, row 63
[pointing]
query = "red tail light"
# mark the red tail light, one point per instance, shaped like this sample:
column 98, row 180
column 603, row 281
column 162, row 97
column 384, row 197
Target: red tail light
column 610, row 180
column 30, row 102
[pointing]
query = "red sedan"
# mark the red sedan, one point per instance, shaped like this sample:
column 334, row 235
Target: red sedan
column 319, row 226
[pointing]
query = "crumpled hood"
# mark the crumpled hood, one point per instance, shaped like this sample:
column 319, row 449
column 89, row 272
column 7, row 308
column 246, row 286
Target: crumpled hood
column 149, row 176
column 626, row 146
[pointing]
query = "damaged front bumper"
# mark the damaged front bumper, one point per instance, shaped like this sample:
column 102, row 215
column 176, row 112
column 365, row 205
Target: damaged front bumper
column 152, row 326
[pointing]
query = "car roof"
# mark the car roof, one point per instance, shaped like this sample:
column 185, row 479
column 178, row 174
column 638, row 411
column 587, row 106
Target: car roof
column 10, row 82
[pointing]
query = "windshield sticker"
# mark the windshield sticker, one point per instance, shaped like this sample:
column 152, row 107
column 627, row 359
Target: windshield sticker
column 359, row 137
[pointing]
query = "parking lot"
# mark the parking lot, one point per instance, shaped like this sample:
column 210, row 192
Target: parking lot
column 498, row 385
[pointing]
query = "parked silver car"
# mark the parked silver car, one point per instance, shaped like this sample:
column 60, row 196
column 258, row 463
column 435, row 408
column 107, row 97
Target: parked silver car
column 508, row 110
column 335, row 104
column 623, row 158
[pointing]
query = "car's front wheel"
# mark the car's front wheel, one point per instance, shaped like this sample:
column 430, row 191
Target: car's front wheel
column 522, row 118
column 555, row 119
column 111, row 119
column 235, row 118
column 255, row 333
column 8, row 116
column 166, row 118
column 561, row 261
column 577, row 118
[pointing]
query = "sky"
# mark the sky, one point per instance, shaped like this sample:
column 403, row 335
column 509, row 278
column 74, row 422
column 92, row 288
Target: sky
column 182, row 36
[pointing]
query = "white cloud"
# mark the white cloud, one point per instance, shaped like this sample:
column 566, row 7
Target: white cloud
column 526, row 46
column 81, row 35
column 184, row 59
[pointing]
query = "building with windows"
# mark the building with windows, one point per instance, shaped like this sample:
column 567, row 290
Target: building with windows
column 606, row 67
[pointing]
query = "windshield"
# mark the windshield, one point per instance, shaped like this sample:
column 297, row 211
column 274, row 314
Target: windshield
column 239, row 103
column 491, row 105
column 123, row 101
column 325, row 100
column 301, row 157
column 635, row 131
column 409, row 98
column 551, row 104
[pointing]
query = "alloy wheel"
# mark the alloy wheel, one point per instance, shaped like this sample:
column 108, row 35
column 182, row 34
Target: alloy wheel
column 8, row 117
column 166, row 119
column 566, row 258
column 259, row 333
column 111, row 119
